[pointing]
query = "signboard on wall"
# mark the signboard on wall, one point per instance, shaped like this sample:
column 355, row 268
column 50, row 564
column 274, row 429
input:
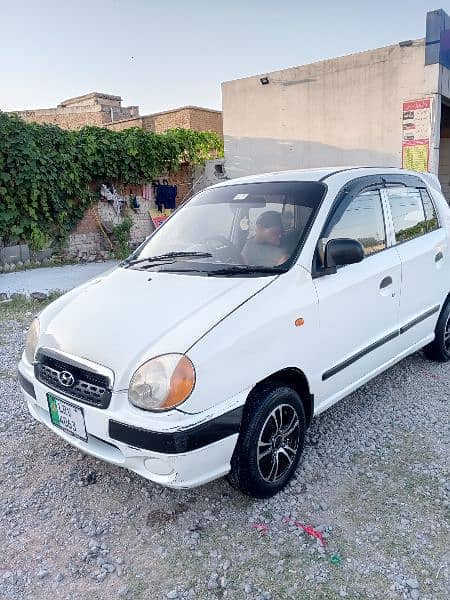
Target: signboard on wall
column 416, row 134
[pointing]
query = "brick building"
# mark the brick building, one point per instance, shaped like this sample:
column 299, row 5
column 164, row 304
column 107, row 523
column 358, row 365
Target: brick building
column 90, row 237
column 89, row 109
column 104, row 110
column 186, row 117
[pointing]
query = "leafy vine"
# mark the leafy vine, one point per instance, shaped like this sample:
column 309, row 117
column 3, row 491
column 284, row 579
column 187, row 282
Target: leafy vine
column 47, row 173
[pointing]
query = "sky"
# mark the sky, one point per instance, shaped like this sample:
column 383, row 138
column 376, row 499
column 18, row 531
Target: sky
column 160, row 54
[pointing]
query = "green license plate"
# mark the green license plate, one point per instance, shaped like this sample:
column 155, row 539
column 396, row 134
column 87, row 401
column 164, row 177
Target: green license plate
column 67, row 416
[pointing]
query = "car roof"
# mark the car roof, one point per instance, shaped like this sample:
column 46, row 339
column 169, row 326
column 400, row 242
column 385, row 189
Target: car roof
column 323, row 174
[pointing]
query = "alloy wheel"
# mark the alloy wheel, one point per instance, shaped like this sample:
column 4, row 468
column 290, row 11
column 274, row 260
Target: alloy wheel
column 278, row 442
column 447, row 336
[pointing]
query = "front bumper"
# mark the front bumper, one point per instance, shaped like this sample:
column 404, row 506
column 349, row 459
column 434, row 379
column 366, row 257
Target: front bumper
column 173, row 449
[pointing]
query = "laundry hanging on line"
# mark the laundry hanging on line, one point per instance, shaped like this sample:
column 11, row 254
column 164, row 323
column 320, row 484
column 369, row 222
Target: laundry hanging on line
column 147, row 192
column 165, row 195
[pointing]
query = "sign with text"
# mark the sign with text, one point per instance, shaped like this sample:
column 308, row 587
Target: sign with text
column 416, row 134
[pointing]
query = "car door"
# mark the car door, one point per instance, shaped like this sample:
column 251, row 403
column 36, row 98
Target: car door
column 422, row 246
column 359, row 304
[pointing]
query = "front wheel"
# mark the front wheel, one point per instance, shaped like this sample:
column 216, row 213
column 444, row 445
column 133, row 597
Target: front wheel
column 270, row 442
column 439, row 349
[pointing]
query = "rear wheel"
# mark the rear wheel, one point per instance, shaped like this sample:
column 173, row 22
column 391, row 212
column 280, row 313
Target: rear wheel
column 270, row 443
column 439, row 349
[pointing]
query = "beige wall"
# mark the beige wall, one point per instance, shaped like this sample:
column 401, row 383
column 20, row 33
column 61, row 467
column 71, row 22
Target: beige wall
column 343, row 111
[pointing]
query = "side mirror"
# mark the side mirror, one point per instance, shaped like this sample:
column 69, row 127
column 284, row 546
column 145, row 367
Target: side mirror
column 342, row 251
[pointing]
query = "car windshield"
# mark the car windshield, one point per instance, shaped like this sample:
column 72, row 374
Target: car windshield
column 234, row 229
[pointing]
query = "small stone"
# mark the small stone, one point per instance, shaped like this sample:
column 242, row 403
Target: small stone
column 248, row 588
column 38, row 296
column 42, row 574
column 404, row 522
column 267, row 596
column 60, row 577
column 108, row 567
column 172, row 594
column 415, row 594
column 212, row 583
column 412, row 583
column 123, row 591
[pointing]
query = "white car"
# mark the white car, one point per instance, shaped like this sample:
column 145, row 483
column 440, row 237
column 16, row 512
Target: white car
column 260, row 303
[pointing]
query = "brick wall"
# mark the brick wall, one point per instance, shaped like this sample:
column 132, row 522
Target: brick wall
column 90, row 109
column 204, row 120
column 126, row 124
column 171, row 120
column 66, row 120
column 88, row 239
column 189, row 117
column 183, row 180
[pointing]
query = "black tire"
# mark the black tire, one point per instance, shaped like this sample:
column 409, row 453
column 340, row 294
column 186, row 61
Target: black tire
column 439, row 349
column 261, row 445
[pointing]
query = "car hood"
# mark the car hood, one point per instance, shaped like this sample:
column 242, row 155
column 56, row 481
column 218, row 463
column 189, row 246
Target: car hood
column 127, row 316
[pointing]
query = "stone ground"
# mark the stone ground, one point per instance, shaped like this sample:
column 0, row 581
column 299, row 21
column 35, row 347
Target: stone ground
column 46, row 279
column 373, row 480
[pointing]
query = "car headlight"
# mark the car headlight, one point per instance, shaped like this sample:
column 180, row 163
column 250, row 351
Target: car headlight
column 162, row 383
column 32, row 340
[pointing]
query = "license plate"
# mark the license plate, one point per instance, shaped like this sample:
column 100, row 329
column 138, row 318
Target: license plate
column 67, row 417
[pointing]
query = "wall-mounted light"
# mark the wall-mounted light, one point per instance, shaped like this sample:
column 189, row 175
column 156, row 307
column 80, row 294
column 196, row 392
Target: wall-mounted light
column 264, row 80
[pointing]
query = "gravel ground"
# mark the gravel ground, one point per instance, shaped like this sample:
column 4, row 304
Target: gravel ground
column 373, row 481
column 46, row 279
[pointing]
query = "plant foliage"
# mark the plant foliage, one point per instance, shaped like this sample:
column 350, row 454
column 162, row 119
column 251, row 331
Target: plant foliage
column 46, row 173
column 121, row 233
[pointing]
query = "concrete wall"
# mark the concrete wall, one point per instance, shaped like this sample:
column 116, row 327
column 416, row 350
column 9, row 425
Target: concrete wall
column 342, row 111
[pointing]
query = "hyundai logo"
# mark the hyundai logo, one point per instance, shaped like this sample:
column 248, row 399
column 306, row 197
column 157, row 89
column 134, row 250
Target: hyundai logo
column 66, row 379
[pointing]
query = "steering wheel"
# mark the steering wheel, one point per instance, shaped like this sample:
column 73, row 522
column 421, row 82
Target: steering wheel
column 222, row 249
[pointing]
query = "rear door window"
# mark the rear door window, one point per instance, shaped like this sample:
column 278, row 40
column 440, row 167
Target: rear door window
column 408, row 213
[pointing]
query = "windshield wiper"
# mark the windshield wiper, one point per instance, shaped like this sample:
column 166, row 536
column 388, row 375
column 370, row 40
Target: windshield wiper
column 167, row 256
column 230, row 271
column 246, row 270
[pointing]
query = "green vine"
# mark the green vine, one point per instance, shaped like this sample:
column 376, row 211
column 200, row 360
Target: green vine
column 121, row 233
column 46, row 173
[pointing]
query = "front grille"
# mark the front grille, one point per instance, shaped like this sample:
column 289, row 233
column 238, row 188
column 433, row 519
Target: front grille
column 87, row 387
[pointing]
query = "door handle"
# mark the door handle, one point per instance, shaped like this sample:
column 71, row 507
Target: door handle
column 387, row 281
column 439, row 256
